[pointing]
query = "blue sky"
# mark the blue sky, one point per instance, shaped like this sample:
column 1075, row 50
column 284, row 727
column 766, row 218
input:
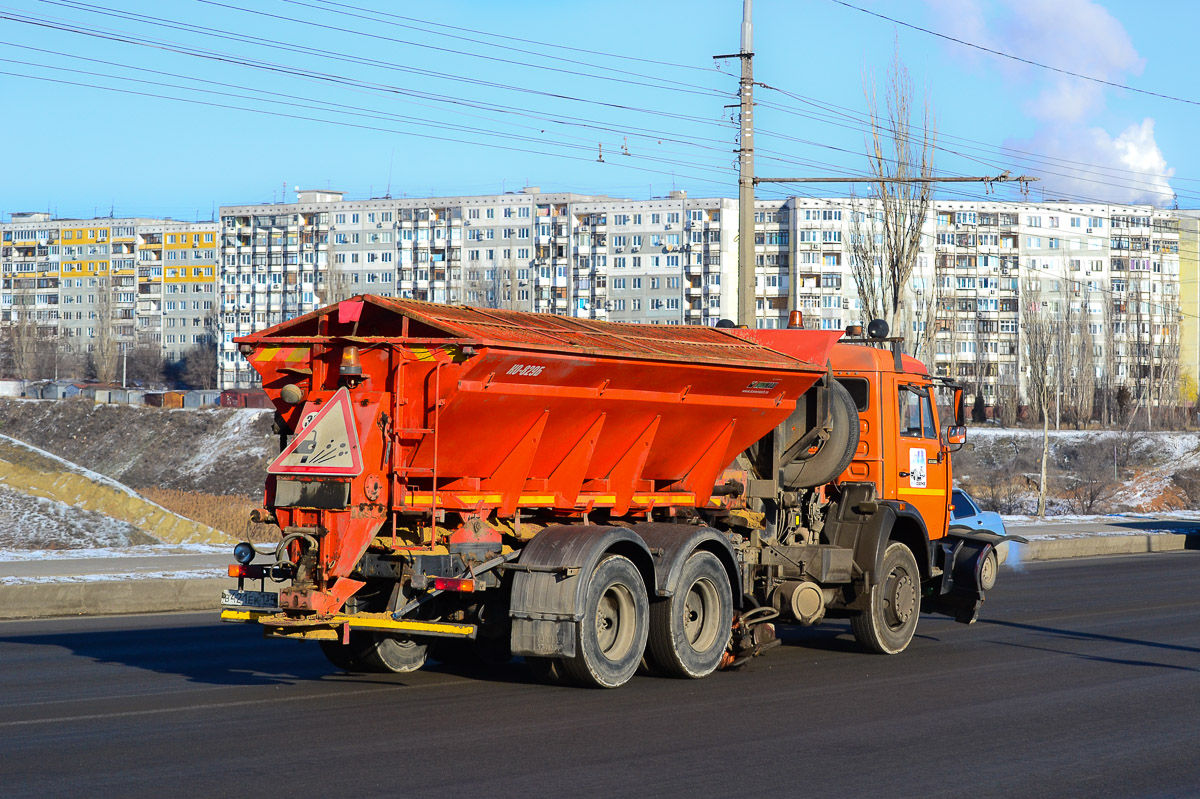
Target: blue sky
column 404, row 116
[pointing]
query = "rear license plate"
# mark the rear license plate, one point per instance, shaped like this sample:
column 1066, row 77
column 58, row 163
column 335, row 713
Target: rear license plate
column 249, row 599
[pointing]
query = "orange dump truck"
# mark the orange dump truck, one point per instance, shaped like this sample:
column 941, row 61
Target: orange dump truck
column 456, row 482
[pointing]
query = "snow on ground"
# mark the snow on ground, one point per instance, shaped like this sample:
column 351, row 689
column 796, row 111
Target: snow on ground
column 50, row 523
column 146, row 550
column 95, row 477
column 237, row 430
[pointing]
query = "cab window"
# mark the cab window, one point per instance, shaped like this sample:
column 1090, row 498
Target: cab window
column 916, row 415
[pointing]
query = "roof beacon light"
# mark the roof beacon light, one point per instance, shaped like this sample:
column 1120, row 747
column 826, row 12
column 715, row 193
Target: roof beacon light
column 796, row 321
column 350, row 364
column 854, row 330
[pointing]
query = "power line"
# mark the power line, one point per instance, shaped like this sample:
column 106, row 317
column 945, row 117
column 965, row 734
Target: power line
column 1012, row 57
column 271, row 43
column 392, row 17
column 533, row 41
column 144, row 19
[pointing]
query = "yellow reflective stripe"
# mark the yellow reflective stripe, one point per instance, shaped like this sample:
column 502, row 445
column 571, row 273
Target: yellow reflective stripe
column 244, row 615
column 922, row 490
column 407, row 625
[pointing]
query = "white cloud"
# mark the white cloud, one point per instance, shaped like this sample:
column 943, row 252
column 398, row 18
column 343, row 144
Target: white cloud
column 1083, row 37
column 1127, row 168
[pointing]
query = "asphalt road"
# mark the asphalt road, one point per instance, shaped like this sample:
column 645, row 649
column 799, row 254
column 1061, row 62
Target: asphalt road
column 1082, row 678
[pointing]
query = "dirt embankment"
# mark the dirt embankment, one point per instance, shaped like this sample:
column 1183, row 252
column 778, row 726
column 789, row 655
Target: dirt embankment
column 208, row 465
column 211, row 451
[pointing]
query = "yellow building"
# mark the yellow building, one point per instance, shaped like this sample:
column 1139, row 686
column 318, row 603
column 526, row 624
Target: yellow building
column 139, row 281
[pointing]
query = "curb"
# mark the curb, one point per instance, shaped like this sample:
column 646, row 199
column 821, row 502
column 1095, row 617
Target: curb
column 103, row 598
column 1100, row 545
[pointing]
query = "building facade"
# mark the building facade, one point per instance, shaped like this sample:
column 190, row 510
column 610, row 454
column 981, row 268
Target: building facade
column 1106, row 277
column 136, row 281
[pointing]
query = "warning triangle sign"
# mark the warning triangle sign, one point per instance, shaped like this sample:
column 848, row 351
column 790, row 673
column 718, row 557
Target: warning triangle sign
column 327, row 444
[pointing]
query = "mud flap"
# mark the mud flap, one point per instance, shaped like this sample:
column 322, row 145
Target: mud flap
column 960, row 593
column 551, row 579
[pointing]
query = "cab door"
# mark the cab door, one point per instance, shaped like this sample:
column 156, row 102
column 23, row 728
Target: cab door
column 923, row 476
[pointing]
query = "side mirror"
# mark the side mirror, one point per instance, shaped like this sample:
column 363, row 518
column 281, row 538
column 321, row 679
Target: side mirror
column 955, row 437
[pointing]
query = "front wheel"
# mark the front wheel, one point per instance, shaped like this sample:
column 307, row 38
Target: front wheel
column 611, row 636
column 987, row 571
column 888, row 626
column 690, row 630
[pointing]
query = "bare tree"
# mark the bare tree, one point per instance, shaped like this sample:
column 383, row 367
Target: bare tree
column 886, row 227
column 144, row 363
column 1083, row 383
column 106, row 350
column 1039, row 339
column 1108, row 375
column 337, row 286
column 920, row 314
column 23, row 340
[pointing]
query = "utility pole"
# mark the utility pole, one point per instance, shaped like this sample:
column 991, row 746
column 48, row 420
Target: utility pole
column 746, row 308
column 746, row 293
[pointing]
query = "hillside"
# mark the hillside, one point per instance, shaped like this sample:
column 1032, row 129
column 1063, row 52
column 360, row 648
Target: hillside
column 48, row 503
column 214, row 451
column 207, row 465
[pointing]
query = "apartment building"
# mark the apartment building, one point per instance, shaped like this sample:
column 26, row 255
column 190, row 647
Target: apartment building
column 582, row 255
column 1109, row 275
column 1112, row 270
column 80, row 279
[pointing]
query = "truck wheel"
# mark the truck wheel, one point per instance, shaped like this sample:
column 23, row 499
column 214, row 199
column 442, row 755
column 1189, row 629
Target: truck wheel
column 611, row 637
column 987, row 571
column 690, row 630
column 344, row 656
column 895, row 604
column 385, row 654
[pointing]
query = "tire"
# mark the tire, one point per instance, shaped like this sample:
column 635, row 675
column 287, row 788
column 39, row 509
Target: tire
column 690, row 630
column 344, row 656
column 384, row 654
column 611, row 637
column 837, row 452
column 988, row 570
column 888, row 626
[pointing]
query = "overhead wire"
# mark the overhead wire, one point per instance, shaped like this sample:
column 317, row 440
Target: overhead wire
column 1010, row 56
column 762, row 132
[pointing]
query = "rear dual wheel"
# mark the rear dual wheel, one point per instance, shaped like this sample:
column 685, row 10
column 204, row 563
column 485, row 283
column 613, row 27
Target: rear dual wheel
column 690, row 630
column 611, row 637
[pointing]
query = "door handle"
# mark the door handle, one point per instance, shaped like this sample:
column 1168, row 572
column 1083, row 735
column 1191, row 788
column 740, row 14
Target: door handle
column 904, row 474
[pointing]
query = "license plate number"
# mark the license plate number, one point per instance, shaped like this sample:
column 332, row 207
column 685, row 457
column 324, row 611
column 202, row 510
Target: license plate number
column 249, row 599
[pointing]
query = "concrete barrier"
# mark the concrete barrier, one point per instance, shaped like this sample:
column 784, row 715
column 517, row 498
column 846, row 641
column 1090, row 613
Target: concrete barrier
column 1100, row 545
column 152, row 595
column 110, row 597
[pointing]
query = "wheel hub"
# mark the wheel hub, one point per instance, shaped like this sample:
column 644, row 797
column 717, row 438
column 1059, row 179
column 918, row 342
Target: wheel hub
column 901, row 599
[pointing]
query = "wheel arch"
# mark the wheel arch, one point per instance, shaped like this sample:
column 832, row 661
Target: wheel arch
column 546, row 605
column 673, row 544
column 909, row 529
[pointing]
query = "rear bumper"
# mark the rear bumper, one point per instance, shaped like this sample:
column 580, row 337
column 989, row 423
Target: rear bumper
column 333, row 628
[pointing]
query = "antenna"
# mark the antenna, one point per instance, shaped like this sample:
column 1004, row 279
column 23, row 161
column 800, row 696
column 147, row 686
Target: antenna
column 387, row 194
